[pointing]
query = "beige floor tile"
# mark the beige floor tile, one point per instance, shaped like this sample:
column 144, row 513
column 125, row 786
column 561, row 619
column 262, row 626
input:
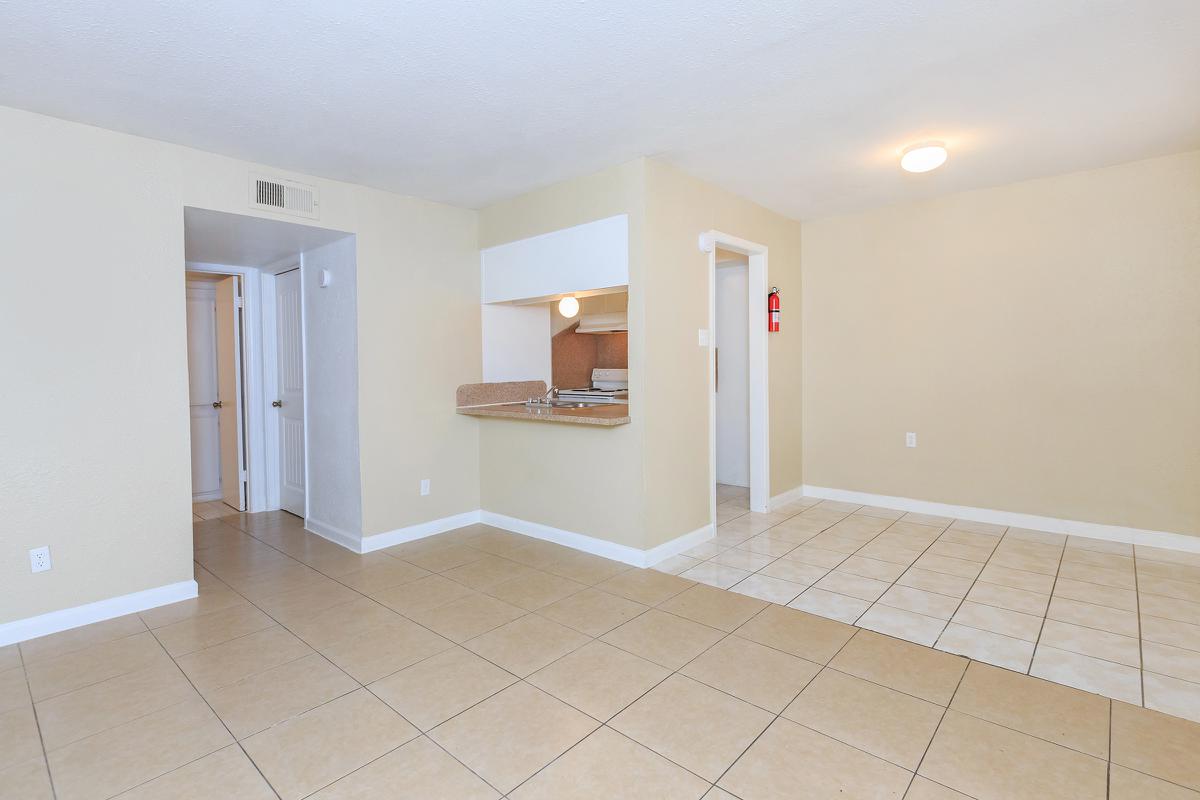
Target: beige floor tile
column 440, row 559
column 1059, row 714
column 646, row 586
column 986, row 646
column 717, row 793
column 329, row 742
column 840, row 607
column 93, row 664
column 607, row 764
column 421, row 595
column 1170, row 608
column 420, row 770
column 919, row 601
column 705, row 551
column 487, row 572
column 713, row 607
column 76, row 715
column 303, row 604
column 808, row 636
column 930, row 581
column 1017, row 578
column 18, row 737
column 1091, row 642
column 70, row 641
column 385, row 575
column 1117, row 578
column 1099, row 545
column 123, row 757
column 1087, row 673
column 761, row 675
column 740, row 558
column 816, row 557
column 342, row 623
column 196, row 633
column 1091, row 615
column 513, row 734
column 871, row 568
column 1175, row 662
column 274, row 695
column 844, row 583
column 240, row 658
column 468, row 616
column 765, row 544
column 925, row 789
column 227, row 773
column 1156, row 744
column 527, row 644
column 1178, row 572
column 434, row 690
column 1094, row 593
column 585, row 567
column 966, row 552
column 791, row 762
column 666, row 639
column 893, row 726
column 14, row 691
column 902, row 624
column 1008, row 597
column 1126, row 784
column 384, row 649
column 717, row 575
column 909, row 668
column 985, row 760
column 592, row 611
column 794, row 571
column 999, row 620
column 599, row 679
column 768, row 589
column 532, row 592
column 28, row 780
column 1172, row 632
column 1113, row 561
column 958, row 567
column 695, row 726
column 10, row 657
column 677, row 564
column 1171, row 695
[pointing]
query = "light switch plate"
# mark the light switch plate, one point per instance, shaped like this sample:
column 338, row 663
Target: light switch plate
column 910, row 439
column 424, row 486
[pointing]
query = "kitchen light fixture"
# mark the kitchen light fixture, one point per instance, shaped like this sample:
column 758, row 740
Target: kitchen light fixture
column 568, row 307
column 923, row 157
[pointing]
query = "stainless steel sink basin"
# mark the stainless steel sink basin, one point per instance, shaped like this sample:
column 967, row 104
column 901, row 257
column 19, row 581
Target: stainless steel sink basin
column 560, row 404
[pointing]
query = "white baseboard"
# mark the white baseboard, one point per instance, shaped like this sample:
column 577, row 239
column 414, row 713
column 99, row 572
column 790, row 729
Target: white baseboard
column 1090, row 530
column 679, row 544
column 44, row 624
column 598, row 547
column 334, row 534
column 790, row 496
column 207, row 497
column 411, row 533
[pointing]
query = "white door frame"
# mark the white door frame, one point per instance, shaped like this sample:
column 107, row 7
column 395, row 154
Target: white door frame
column 258, row 344
column 760, row 420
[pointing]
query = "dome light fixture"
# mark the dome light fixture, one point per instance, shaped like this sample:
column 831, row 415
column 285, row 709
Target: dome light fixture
column 923, row 157
column 568, row 307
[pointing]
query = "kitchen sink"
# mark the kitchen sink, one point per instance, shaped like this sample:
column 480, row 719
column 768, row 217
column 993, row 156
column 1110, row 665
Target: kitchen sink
column 561, row 404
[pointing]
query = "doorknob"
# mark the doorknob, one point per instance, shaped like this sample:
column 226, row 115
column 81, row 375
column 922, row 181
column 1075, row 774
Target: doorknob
column 218, row 404
column 277, row 403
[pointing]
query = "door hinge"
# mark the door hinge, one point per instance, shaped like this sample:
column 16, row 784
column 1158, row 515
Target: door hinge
column 244, row 475
column 240, row 302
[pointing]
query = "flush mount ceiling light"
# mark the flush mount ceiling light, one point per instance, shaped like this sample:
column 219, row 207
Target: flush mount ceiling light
column 923, row 157
column 568, row 307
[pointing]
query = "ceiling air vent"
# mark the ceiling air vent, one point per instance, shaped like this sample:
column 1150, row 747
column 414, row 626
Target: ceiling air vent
column 284, row 196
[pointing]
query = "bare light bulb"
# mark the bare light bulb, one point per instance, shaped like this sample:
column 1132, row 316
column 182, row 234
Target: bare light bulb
column 568, row 307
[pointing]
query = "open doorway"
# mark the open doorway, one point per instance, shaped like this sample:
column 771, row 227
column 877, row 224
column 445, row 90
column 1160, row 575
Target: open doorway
column 265, row 435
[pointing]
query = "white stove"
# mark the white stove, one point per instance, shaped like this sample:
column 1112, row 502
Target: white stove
column 608, row 386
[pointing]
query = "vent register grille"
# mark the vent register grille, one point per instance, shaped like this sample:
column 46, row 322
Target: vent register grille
column 281, row 195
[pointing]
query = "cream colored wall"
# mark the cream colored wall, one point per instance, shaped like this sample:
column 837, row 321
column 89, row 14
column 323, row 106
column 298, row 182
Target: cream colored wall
column 94, row 439
column 678, row 209
column 1041, row 338
column 578, row 478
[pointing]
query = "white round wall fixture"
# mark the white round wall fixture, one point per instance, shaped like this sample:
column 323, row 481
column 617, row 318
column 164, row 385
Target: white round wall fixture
column 923, row 157
column 568, row 307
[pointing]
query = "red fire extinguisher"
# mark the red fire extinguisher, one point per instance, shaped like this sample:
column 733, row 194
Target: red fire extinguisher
column 773, row 310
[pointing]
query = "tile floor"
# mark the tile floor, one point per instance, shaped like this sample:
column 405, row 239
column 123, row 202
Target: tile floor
column 1110, row 618
column 212, row 509
column 482, row 664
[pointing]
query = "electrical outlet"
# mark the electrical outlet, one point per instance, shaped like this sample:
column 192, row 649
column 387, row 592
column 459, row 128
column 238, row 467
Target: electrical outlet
column 39, row 559
column 910, row 439
column 424, row 486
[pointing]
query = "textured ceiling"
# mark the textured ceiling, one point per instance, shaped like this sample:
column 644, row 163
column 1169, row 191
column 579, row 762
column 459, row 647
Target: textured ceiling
column 802, row 106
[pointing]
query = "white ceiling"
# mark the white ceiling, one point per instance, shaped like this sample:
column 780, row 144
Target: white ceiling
column 214, row 237
column 802, row 106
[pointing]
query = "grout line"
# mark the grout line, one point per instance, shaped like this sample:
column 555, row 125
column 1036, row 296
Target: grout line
column 946, row 710
column 1042, row 627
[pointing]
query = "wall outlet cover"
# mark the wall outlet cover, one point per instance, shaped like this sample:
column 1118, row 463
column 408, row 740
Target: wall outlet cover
column 39, row 559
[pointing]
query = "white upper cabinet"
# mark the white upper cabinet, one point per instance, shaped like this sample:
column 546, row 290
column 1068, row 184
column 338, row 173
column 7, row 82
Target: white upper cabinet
column 587, row 257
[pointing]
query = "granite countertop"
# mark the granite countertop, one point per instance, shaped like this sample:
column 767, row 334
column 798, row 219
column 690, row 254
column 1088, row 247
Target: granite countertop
column 605, row 415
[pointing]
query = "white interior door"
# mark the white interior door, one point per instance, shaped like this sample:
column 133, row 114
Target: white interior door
column 229, row 391
column 733, row 376
column 203, row 391
column 289, row 332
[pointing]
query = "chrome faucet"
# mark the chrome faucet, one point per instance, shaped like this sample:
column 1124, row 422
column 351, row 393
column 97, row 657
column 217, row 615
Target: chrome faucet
column 551, row 393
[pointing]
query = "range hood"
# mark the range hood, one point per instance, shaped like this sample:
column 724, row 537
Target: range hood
column 614, row 322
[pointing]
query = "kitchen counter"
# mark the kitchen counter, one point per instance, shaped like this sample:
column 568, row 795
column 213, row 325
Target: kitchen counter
column 604, row 415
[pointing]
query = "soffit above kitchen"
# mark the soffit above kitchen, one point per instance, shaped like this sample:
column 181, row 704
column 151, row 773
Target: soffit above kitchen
column 802, row 107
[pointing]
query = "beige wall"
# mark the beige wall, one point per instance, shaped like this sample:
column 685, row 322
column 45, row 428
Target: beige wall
column 94, row 436
column 678, row 209
column 1041, row 338
column 577, row 478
